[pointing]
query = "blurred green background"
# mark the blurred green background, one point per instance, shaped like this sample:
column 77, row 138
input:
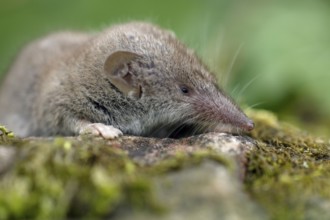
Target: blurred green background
column 268, row 54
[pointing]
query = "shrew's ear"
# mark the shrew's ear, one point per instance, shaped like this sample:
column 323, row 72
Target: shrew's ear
column 116, row 66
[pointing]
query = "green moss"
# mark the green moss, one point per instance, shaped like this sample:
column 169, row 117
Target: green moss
column 61, row 178
column 289, row 172
column 5, row 134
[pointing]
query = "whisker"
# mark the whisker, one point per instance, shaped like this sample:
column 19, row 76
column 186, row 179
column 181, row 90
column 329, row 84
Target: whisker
column 247, row 85
column 157, row 131
column 254, row 105
column 234, row 90
column 234, row 59
column 191, row 121
column 201, row 128
column 176, row 131
column 195, row 130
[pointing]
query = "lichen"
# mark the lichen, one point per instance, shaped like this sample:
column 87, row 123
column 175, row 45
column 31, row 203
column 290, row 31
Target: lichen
column 289, row 171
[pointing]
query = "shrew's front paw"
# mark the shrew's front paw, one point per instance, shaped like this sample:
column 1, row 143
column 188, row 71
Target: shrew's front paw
column 99, row 129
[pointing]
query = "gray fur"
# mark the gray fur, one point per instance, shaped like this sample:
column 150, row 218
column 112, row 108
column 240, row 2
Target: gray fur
column 58, row 83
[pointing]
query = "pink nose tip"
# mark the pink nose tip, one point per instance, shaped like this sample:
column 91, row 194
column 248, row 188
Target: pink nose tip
column 249, row 125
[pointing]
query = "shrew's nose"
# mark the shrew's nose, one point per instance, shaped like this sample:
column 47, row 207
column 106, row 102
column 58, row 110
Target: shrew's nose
column 249, row 125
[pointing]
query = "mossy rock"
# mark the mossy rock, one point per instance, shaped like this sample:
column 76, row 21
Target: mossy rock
column 279, row 172
column 289, row 172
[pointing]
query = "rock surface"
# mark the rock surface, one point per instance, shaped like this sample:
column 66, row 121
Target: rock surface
column 208, row 191
column 7, row 158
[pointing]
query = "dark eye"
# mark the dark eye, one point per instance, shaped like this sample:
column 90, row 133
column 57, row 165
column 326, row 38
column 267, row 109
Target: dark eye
column 184, row 89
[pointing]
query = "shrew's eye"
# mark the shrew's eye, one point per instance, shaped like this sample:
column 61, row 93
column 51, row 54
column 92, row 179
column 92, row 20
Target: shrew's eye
column 184, row 89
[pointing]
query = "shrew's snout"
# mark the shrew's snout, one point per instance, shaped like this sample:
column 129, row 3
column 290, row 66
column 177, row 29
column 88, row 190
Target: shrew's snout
column 249, row 125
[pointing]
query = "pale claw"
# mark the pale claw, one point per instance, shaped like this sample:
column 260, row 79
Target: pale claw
column 99, row 129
